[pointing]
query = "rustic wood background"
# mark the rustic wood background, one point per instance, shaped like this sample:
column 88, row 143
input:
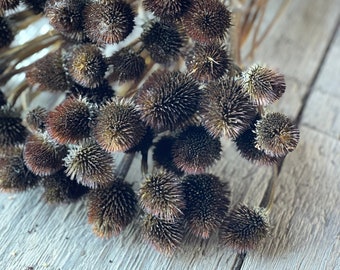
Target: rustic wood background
column 304, row 45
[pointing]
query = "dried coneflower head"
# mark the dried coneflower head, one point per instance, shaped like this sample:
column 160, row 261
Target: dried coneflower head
column 194, row 150
column 36, row 119
column 225, row 109
column 118, row 125
column 86, row 65
column 70, row 121
column 164, row 235
column 207, row 21
column 168, row 100
column 90, row 165
column 263, row 84
column 167, row 10
column 276, row 135
column 8, row 4
column 207, row 202
column 110, row 210
column 108, row 21
column 36, row 5
column 206, row 62
column 161, row 195
column 163, row 41
column 244, row 228
column 6, row 34
column 42, row 155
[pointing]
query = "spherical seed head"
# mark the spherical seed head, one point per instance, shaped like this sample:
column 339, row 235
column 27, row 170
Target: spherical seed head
column 36, row 119
column 167, row 9
column 110, row 210
column 263, row 85
column 168, row 100
column 70, row 121
column 162, row 195
column 90, row 165
column 276, row 135
column 165, row 236
column 207, row 202
column 8, row 4
column 163, row 41
column 6, row 34
column 108, row 21
column 244, row 228
column 226, row 110
column 194, row 150
column 207, row 62
column 118, row 126
column 42, row 155
column 86, row 65
column 207, row 21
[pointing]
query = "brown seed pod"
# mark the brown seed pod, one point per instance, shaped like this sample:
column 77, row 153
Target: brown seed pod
column 263, row 85
column 168, row 100
column 161, row 195
column 108, row 21
column 225, row 109
column 8, row 4
column 244, row 228
column 276, row 135
column 90, row 165
column 6, row 33
column 165, row 236
column 118, row 126
column 207, row 203
column 194, row 150
column 110, row 210
column 36, row 119
column 167, row 10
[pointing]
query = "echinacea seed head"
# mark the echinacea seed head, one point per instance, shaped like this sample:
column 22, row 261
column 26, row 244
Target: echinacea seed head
column 167, row 10
column 6, row 34
column 8, row 4
column 36, row 119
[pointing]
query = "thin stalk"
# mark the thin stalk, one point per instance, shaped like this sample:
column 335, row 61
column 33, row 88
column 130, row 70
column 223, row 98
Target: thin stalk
column 124, row 165
column 15, row 94
column 268, row 198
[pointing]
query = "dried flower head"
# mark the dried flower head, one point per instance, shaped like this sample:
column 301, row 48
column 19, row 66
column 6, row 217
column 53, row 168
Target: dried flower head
column 276, row 135
column 90, row 165
column 36, row 119
column 207, row 202
column 167, row 9
column 165, row 236
column 168, row 100
column 263, row 84
column 110, row 210
column 244, row 228
column 6, row 34
column 162, row 195
column 8, row 4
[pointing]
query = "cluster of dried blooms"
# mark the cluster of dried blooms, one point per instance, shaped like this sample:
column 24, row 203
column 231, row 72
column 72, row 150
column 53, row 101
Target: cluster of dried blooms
column 185, row 96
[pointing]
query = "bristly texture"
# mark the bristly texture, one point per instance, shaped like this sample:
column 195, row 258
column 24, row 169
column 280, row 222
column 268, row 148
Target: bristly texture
column 206, row 62
column 225, row 109
column 161, row 195
column 118, row 126
column 90, row 165
column 207, row 202
column 8, row 4
column 6, row 34
column 168, row 100
column 36, row 119
column 167, row 10
column 58, row 188
column 244, row 228
column 276, row 135
column 165, row 236
column 70, row 121
column 108, row 21
column 207, row 21
column 194, row 150
column 42, row 155
column 163, row 41
column 110, row 210
column 263, row 85
column 86, row 65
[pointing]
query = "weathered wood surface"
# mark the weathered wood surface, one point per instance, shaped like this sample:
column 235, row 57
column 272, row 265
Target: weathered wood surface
column 306, row 216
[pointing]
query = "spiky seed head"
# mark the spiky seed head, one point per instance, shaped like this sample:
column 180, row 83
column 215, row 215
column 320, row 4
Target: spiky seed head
column 90, row 165
column 42, row 155
column 8, row 4
column 168, row 100
column 111, row 209
column 36, row 119
column 164, row 235
column 6, row 33
column 118, row 125
column 108, row 21
column 167, row 10
column 225, row 109
column 244, row 228
column 86, row 65
column 161, row 195
column 276, row 135
column 58, row 188
column 263, row 84
column 207, row 202
column 207, row 21
column 194, row 150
